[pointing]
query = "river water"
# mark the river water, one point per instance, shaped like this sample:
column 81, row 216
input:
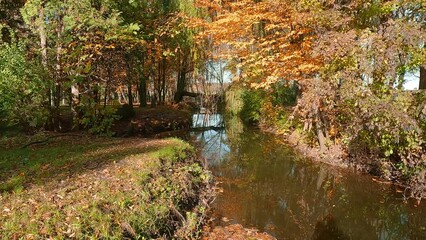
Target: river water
column 267, row 186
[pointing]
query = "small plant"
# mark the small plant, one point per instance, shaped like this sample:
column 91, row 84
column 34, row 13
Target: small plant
column 98, row 119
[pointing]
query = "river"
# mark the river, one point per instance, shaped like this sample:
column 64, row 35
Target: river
column 268, row 186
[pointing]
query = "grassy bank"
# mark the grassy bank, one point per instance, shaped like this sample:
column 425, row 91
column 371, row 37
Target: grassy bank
column 101, row 188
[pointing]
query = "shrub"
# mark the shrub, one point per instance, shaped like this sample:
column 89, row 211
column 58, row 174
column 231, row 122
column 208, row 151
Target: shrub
column 98, row 119
column 387, row 129
column 22, row 88
column 126, row 112
column 285, row 93
column 253, row 101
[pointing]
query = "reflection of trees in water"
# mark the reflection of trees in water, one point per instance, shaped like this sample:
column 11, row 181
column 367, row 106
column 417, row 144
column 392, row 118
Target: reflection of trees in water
column 327, row 229
column 234, row 127
column 266, row 187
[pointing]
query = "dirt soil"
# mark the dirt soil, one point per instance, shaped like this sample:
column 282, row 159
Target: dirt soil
column 234, row 232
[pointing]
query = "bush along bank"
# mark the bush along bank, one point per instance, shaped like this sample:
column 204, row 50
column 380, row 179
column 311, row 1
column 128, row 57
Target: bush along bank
column 183, row 188
column 383, row 135
column 106, row 189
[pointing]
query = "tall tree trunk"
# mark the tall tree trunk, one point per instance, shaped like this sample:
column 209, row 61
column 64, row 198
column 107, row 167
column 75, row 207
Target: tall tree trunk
column 75, row 101
column 153, row 94
column 107, row 86
column 163, row 81
column 157, row 84
column 320, row 130
column 43, row 47
column 43, row 37
column 129, row 82
column 130, row 93
column 180, row 88
column 181, row 81
column 318, row 120
column 58, row 75
column 95, row 93
column 154, row 99
column 422, row 84
column 142, row 88
column 75, row 98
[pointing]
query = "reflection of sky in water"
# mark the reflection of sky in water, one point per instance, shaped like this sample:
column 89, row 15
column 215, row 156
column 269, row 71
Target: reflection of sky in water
column 214, row 147
column 214, row 141
column 207, row 120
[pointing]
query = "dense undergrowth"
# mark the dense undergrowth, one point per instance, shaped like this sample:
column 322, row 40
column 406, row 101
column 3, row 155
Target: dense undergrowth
column 380, row 134
column 85, row 188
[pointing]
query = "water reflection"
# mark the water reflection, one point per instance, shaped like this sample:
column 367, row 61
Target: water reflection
column 213, row 141
column 267, row 186
column 327, row 229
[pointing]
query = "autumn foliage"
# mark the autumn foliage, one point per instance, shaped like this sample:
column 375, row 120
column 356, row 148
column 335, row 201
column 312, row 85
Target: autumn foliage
column 264, row 39
column 350, row 60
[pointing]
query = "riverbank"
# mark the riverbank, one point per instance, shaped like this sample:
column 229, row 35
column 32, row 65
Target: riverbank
column 387, row 143
column 336, row 156
column 147, row 122
column 235, row 232
column 84, row 187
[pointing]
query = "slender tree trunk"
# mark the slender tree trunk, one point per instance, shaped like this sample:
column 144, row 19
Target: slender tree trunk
column 142, row 88
column 157, row 86
column 107, row 86
column 422, row 84
column 129, row 81
column 75, row 101
column 154, row 100
column 319, row 123
column 95, row 93
column 130, row 94
column 153, row 94
column 43, row 38
column 163, row 81
column 43, row 46
column 180, row 88
column 320, row 131
column 58, row 74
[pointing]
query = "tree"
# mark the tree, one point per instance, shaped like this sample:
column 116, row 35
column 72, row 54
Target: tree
column 422, row 83
column 64, row 49
column 264, row 38
column 348, row 58
column 267, row 42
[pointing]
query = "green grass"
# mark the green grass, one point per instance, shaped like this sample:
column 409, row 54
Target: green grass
column 59, row 158
column 102, row 188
